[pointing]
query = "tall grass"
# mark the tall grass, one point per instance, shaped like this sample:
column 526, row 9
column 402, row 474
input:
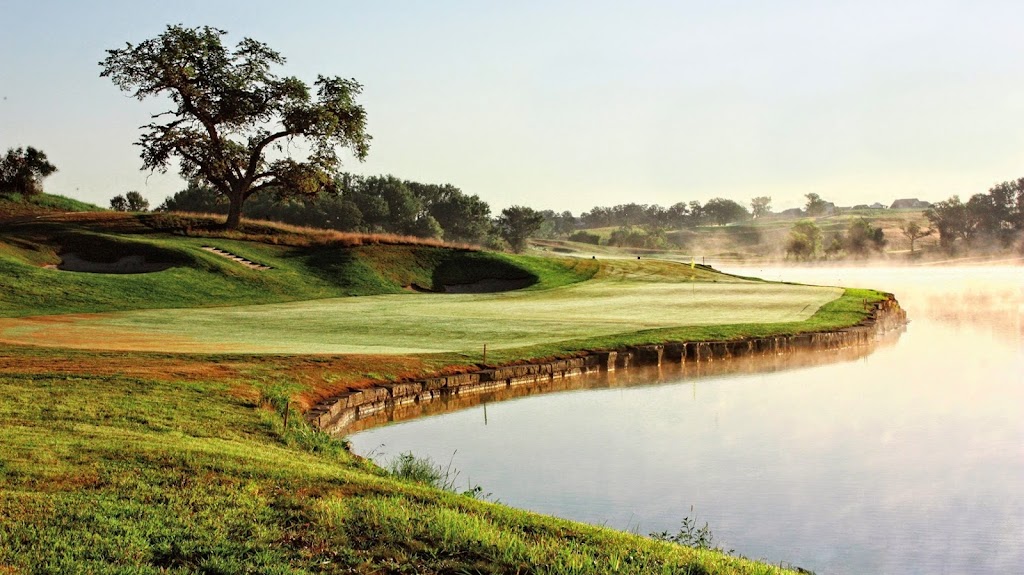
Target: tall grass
column 276, row 233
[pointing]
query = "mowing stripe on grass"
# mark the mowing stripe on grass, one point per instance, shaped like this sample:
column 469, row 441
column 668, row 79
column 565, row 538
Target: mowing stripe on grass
column 423, row 323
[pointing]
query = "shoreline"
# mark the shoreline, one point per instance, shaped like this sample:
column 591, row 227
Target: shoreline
column 337, row 414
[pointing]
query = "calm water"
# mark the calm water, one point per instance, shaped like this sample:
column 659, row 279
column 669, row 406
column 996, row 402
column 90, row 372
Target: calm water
column 905, row 457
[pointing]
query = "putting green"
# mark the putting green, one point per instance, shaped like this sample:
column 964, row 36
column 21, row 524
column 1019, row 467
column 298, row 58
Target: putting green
column 416, row 323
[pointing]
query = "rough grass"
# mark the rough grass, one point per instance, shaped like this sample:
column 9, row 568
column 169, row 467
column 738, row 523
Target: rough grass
column 134, row 475
column 16, row 205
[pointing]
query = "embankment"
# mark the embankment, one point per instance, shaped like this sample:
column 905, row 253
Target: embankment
column 339, row 414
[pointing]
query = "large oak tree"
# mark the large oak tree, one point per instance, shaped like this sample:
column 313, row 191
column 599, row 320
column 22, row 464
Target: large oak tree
column 234, row 121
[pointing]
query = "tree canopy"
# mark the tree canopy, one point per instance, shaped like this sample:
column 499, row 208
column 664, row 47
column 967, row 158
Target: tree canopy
column 516, row 224
column 22, row 171
column 996, row 217
column 761, row 206
column 815, row 205
column 133, row 201
column 233, row 121
column 804, row 240
column 722, row 211
column 372, row 204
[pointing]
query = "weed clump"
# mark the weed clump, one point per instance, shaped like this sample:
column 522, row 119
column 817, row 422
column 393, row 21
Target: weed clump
column 424, row 470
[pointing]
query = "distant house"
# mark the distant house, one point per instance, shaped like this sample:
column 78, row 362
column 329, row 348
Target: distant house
column 877, row 206
column 910, row 204
column 791, row 213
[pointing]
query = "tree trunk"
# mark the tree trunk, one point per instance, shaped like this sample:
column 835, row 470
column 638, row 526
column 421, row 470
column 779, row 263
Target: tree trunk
column 234, row 212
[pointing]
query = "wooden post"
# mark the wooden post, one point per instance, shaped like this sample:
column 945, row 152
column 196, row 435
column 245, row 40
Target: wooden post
column 485, row 354
column 287, row 408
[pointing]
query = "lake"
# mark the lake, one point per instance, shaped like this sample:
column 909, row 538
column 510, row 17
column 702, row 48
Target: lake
column 906, row 456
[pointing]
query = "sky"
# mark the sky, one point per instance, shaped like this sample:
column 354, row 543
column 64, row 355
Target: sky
column 569, row 105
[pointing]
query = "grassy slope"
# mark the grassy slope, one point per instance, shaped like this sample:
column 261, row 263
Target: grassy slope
column 141, row 463
column 203, row 279
column 118, row 474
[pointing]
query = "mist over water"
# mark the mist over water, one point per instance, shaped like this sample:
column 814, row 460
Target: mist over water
column 906, row 457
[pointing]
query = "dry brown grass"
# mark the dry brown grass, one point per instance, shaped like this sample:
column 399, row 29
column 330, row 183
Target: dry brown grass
column 318, row 376
column 211, row 225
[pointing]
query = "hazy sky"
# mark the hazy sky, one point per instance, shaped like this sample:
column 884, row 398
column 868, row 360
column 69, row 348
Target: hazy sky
column 567, row 105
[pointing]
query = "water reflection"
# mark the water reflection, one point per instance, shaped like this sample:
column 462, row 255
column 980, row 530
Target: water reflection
column 637, row 376
column 907, row 459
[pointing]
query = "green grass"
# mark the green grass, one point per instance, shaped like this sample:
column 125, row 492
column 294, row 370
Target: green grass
column 129, row 475
column 426, row 323
column 130, row 462
column 16, row 204
column 203, row 279
column 198, row 305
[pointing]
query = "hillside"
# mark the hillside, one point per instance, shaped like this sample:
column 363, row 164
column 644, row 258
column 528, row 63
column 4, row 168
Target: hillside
column 757, row 240
column 304, row 265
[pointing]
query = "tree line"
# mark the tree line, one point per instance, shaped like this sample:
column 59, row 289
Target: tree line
column 718, row 211
column 987, row 220
column 379, row 204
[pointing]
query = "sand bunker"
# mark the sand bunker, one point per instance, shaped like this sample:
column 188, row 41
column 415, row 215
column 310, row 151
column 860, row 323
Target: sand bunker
column 489, row 286
column 127, row 265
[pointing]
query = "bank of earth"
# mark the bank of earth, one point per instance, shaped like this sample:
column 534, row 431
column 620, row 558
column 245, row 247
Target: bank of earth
column 139, row 457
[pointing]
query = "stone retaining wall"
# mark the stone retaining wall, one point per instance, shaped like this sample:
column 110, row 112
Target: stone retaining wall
column 338, row 413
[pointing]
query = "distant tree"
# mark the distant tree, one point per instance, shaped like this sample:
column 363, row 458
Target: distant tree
column 597, row 217
column 862, row 238
column 463, row 218
column 395, row 209
column 815, row 205
column 118, row 203
column 230, row 110
column 135, row 201
column 878, row 239
column 834, row 246
column 992, row 216
column 678, row 215
column 198, row 197
column 722, row 211
column 22, row 171
column 697, row 215
column 516, row 224
column 585, row 237
column 913, row 232
column 952, row 220
column 425, row 226
column 804, row 240
column 761, row 206
column 1009, row 199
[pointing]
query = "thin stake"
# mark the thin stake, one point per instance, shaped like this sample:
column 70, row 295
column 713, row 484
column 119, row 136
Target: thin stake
column 485, row 354
column 287, row 408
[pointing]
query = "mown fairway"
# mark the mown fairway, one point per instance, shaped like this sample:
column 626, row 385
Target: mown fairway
column 609, row 304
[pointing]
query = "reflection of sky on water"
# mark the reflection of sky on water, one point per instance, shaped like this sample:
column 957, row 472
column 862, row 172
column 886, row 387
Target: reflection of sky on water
column 907, row 460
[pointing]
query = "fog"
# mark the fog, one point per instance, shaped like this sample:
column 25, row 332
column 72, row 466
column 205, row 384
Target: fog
column 902, row 457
